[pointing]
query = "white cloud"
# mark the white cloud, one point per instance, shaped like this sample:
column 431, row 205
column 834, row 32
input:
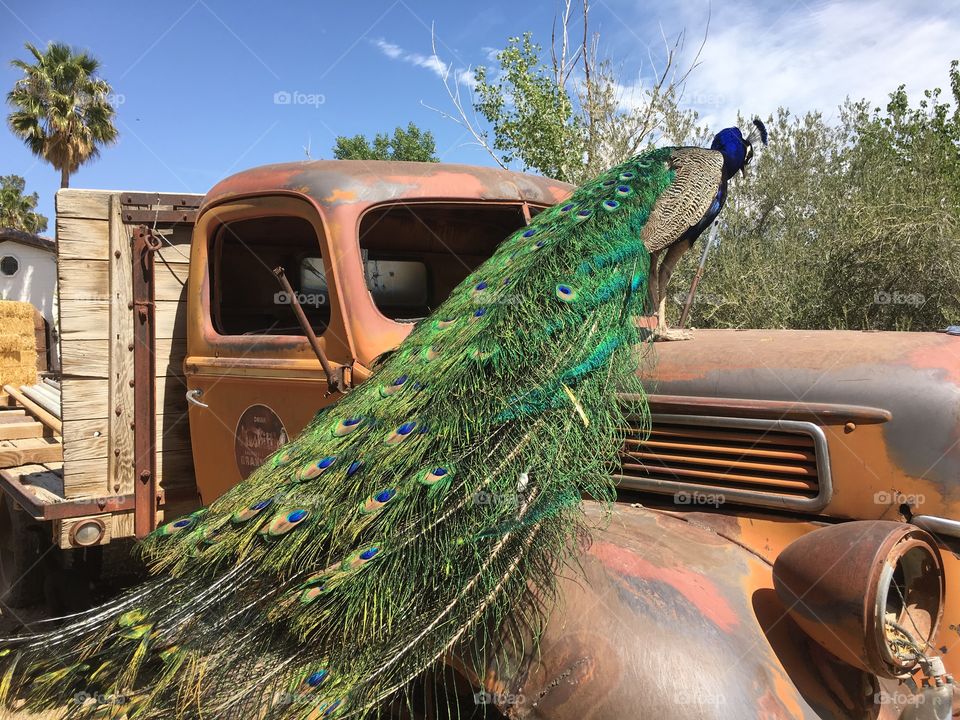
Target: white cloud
column 389, row 49
column 815, row 55
column 433, row 63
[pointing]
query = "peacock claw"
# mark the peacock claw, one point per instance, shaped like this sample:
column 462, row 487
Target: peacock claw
column 664, row 334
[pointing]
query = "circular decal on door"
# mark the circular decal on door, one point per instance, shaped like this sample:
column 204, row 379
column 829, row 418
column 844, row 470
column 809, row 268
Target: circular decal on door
column 259, row 433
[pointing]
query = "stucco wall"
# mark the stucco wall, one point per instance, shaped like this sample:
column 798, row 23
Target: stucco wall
column 35, row 283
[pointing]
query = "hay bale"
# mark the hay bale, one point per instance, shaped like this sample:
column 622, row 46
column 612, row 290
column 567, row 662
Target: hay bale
column 18, row 343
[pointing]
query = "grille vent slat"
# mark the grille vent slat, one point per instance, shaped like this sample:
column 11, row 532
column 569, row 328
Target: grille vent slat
column 777, row 463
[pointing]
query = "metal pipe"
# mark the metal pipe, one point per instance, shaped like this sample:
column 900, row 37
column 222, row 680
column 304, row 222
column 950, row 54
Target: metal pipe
column 696, row 278
column 38, row 412
column 333, row 382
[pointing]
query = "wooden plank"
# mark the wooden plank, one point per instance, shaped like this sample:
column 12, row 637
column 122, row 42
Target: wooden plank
column 85, row 358
column 91, row 358
column 36, row 411
column 88, row 398
column 85, row 320
column 170, row 281
column 82, row 239
column 16, row 431
column 74, row 203
column 30, row 450
column 85, row 478
column 84, row 443
column 120, row 432
column 171, row 319
column 83, row 279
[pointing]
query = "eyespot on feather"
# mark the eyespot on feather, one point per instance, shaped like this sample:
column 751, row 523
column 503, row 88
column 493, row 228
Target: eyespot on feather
column 565, row 293
column 251, row 512
column 360, row 558
column 394, row 387
column 313, row 470
column 347, row 426
column 435, row 476
column 285, row 522
column 177, row 526
column 401, row 433
column 376, row 503
column 314, row 680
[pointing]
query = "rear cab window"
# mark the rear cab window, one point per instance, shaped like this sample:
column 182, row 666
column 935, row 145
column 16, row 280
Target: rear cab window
column 414, row 254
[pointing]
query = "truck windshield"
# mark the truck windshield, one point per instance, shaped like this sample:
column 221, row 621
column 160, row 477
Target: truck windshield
column 414, row 254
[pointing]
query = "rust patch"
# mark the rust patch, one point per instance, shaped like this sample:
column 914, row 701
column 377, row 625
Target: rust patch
column 697, row 589
column 339, row 195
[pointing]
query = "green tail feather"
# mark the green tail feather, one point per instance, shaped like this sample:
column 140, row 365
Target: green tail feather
column 402, row 520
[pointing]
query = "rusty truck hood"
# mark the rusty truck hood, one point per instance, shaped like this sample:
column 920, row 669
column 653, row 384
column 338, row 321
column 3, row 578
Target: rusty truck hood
column 914, row 376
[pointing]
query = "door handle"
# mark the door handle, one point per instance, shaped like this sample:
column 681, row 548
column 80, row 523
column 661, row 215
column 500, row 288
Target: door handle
column 193, row 395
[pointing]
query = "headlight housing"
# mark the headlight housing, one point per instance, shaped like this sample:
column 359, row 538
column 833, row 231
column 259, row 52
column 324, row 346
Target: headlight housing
column 870, row 592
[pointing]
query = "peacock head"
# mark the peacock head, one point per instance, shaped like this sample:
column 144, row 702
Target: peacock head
column 737, row 150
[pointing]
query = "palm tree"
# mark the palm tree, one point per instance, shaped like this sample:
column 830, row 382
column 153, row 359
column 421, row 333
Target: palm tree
column 18, row 210
column 61, row 109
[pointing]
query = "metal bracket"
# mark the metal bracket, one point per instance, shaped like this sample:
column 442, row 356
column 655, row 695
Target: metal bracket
column 163, row 208
column 145, row 244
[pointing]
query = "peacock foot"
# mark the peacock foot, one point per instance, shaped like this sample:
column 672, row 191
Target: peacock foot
column 664, row 334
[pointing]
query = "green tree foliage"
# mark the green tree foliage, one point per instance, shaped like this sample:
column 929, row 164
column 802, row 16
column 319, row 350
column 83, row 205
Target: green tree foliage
column 854, row 225
column 61, row 109
column 571, row 116
column 411, row 144
column 17, row 210
column 531, row 116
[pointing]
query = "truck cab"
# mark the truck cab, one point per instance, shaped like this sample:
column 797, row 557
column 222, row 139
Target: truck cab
column 785, row 540
column 368, row 248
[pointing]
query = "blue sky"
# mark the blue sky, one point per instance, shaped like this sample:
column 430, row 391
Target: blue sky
column 196, row 80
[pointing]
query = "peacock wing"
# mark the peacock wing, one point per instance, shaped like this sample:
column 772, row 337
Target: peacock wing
column 698, row 174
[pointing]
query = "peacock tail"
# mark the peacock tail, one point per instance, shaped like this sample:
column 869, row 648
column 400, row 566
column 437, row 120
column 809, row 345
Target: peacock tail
column 416, row 513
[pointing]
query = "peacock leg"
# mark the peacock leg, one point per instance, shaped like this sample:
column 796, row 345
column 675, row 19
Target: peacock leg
column 662, row 280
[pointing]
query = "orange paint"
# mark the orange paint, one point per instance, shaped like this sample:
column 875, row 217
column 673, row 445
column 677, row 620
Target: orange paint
column 339, row 195
column 699, row 590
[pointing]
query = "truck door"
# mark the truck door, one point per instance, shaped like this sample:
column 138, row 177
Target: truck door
column 253, row 380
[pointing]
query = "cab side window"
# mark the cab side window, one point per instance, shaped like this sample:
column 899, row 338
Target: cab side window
column 246, row 298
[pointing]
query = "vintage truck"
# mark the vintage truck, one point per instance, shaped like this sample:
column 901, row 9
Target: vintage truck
column 784, row 538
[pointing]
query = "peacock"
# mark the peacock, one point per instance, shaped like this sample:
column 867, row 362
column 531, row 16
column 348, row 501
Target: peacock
column 417, row 513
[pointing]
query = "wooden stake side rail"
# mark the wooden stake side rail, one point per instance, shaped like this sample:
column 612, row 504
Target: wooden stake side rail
column 106, row 446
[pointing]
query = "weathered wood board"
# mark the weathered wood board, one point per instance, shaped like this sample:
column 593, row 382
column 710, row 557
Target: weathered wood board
column 96, row 326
